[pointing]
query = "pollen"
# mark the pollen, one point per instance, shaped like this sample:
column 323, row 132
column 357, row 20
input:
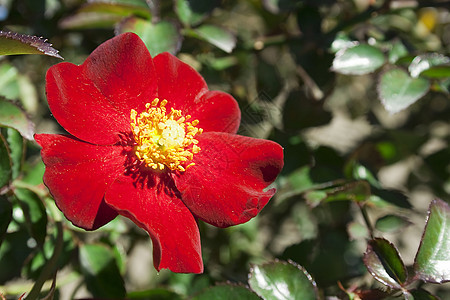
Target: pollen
column 164, row 139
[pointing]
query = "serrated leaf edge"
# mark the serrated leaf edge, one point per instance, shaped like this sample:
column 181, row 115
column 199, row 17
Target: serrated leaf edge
column 34, row 42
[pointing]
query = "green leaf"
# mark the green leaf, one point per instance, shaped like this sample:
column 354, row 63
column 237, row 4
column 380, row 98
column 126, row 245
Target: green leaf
column 358, row 60
column 384, row 263
column 193, row 12
column 438, row 72
column 12, row 115
column 5, row 163
column 34, row 174
column 5, row 216
column 13, row 254
column 397, row 90
column 104, row 14
column 218, row 63
column 282, row 280
column 348, row 191
column 137, row 3
column 383, row 198
column 225, row 292
column 358, row 171
column 102, row 275
column 216, row 36
column 300, row 180
column 421, row 294
column 16, row 147
column 397, row 51
column 357, row 191
column 391, row 223
column 342, row 42
column 432, row 262
column 90, row 20
column 12, row 43
column 17, row 85
column 424, row 62
column 9, row 77
column 154, row 294
column 160, row 37
column 314, row 198
column 34, row 212
column 138, row 8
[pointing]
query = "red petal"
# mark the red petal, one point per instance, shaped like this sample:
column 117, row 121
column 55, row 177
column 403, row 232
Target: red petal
column 122, row 69
column 217, row 111
column 186, row 90
column 178, row 83
column 226, row 185
column 172, row 227
column 93, row 101
column 77, row 175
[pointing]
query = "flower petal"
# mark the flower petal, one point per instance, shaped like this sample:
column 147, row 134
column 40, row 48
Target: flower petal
column 217, row 111
column 93, row 101
column 226, row 186
column 77, row 175
column 186, row 90
column 152, row 205
column 122, row 69
column 178, row 83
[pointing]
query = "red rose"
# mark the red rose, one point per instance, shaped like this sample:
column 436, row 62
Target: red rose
column 149, row 141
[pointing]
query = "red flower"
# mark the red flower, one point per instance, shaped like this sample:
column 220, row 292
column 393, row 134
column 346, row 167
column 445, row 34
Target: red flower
column 149, row 141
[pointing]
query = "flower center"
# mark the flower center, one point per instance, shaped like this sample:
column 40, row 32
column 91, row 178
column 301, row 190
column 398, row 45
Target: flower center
column 164, row 139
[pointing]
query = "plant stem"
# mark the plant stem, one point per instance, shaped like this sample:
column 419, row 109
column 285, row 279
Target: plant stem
column 366, row 218
column 50, row 267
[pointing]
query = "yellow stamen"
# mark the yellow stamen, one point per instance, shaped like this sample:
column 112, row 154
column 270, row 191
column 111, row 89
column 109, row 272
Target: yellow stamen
column 164, row 139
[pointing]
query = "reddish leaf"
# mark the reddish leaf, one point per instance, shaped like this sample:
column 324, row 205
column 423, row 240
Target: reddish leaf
column 384, row 263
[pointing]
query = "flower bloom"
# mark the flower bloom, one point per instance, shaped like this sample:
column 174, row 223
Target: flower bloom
column 149, row 141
